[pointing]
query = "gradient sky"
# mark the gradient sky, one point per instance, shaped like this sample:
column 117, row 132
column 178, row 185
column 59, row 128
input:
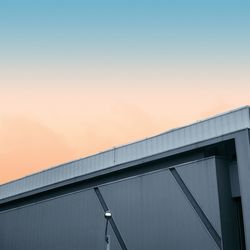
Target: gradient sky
column 78, row 77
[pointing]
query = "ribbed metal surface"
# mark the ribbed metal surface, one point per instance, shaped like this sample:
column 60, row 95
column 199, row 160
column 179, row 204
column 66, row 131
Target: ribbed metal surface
column 73, row 221
column 152, row 212
column 200, row 180
column 213, row 127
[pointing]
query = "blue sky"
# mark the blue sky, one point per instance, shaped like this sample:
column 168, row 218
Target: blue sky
column 124, row 32
column 74, row 74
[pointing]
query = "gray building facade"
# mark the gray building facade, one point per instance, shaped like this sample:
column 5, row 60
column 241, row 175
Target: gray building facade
column 185, row 189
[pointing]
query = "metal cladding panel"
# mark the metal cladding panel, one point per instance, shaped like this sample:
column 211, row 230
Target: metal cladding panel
column 152, row 212
column 229, row 221
column 203, row 176
column 203, row 130
column 58, row 174
column 216, row 126
column 73, row 221
column 243, row 159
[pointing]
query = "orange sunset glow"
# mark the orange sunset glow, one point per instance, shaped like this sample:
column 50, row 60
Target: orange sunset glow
column 80, row 77
column 45, row 126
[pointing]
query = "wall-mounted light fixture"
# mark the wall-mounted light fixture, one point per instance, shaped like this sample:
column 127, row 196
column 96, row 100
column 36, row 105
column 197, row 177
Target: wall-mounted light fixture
column 107, row 216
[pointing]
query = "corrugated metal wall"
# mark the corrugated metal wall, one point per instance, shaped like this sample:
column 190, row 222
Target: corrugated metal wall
column 151, row 211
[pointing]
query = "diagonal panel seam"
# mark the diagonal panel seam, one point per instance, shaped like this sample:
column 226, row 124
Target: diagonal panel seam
column 111, row 220
column 197, row 208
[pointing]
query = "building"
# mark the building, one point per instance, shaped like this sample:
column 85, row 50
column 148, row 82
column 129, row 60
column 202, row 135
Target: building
column 185, row 189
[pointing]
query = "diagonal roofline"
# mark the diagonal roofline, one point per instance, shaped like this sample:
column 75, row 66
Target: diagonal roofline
column 213, row 126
